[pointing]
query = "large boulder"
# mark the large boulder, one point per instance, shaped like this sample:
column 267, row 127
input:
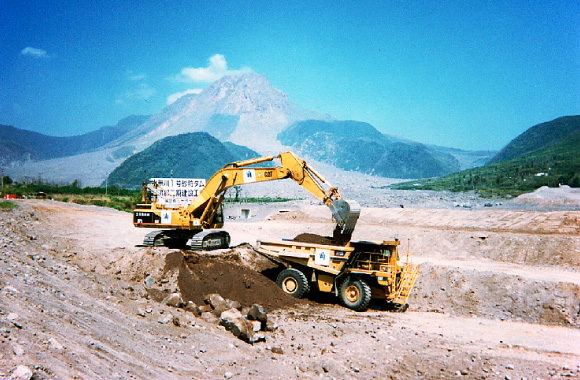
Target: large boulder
column 217, row 303
column 256, row 313
column 174, row 299
column 234, row 321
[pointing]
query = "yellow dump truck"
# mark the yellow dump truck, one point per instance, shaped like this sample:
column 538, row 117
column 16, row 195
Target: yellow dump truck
column 355, row 273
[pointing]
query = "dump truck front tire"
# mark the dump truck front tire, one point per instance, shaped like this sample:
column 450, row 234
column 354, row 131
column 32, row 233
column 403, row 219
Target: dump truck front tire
column 355, row 294
column 293, row 282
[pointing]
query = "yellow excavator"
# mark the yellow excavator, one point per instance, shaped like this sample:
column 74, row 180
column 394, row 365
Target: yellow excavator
column 198, row 225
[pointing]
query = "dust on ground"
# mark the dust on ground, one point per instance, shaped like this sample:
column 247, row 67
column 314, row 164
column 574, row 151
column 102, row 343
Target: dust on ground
column 497, row 298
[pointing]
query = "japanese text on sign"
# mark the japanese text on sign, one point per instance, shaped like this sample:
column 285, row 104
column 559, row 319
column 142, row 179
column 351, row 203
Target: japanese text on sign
column 176, row 191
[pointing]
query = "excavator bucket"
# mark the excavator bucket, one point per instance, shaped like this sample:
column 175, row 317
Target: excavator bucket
column 346, row 214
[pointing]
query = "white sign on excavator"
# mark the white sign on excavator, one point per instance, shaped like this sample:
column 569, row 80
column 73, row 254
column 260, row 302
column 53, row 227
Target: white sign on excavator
column 175, row 192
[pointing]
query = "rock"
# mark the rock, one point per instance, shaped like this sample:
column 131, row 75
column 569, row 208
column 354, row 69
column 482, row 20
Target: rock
column 228, row 375
column 277, row 350
column 11, row 289
column 271, row 326
column 17, row 349
column 217, row 303
column 256, row 313
column 39, row 375
column 259, row 337
column 256, row 326
column 12, row 317
column 205, row 309
column 327, row 366
column 233, row 304
column 192, row 308
column 22, row 372
column 209, row 317
column 234, row 322
column 141, row 312
column 174, row 300
column 55, row 344
column 165, row 319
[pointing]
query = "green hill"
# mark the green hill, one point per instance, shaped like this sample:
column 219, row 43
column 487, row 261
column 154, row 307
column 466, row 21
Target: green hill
column 556, row 164
column 358, row 146
column 539, row 136
column 190, row 155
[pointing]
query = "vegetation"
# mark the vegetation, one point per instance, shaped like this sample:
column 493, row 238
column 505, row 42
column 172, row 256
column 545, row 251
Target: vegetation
column 538, row 137
column 558, row 164
column 190, row 155
column 113, row 197
column 7, row 205
column 257, row 200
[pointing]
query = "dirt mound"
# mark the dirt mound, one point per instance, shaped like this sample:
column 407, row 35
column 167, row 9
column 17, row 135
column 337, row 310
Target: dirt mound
column 315, row 239
column 229, row 274
column 563, row 195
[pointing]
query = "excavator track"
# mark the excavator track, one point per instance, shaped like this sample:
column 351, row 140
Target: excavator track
column 209, row 239
column 168, row 238
column 153, row 239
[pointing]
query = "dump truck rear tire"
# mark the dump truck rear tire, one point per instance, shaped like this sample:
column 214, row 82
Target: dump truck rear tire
column 293, row 282
column 355, row 294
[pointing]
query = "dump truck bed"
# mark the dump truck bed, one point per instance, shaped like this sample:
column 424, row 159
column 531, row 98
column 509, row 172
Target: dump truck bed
column 326, row 258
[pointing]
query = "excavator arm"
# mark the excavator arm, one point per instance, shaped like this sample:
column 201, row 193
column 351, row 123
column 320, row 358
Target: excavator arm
column 345, row 213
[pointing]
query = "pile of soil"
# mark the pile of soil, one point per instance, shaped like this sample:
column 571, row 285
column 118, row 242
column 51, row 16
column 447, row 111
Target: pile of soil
column 315, row 239
column 200, row 275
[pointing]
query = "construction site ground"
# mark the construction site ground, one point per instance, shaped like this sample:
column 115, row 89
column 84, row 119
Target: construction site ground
column 498, row 297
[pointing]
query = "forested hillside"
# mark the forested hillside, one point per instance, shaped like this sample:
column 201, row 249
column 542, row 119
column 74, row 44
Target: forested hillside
column 190, row 155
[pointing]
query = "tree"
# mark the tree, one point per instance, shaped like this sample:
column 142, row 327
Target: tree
column 6, row 180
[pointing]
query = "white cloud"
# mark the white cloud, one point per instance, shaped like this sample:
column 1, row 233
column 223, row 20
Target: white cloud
column 173, row 97
column 217, row 68
column 34, row 52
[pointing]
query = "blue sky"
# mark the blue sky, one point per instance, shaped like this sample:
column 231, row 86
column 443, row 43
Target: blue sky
column 466, row 74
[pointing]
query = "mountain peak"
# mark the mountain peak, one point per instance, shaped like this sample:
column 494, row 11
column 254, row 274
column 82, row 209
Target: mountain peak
column 236, row 94
column 244, row 109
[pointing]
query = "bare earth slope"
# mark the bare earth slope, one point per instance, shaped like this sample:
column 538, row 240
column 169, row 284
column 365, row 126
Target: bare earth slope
column 498, row 298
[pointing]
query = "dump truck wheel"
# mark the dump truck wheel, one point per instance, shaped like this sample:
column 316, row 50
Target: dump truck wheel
column 355, row 294
column 293, row 282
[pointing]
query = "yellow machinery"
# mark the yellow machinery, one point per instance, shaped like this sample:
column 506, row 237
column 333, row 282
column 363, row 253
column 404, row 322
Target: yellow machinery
column 356, row 273
column 197, row 225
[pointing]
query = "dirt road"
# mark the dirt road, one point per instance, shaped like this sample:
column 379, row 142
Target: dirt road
column 498, row 298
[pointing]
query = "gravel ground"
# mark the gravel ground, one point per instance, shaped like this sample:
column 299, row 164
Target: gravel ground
column 497, row 298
